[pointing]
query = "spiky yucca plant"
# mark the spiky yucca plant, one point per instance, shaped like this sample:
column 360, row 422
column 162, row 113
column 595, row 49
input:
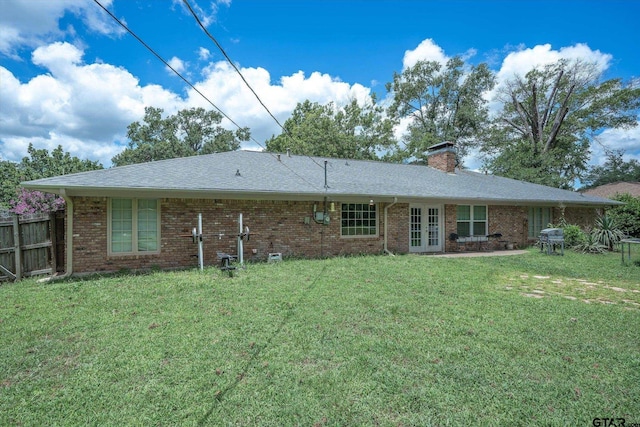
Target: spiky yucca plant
column 606, row 232
column 589, row 244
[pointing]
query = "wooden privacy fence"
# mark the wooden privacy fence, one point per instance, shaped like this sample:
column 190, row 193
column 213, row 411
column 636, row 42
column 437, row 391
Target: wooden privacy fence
column 28, row 245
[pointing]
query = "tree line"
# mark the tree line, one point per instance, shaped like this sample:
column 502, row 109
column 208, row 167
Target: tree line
column 541, row 132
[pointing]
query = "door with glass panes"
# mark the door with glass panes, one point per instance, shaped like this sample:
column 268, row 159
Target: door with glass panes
column 425, row 233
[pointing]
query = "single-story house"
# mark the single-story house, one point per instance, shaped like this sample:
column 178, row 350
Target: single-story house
column 614, row 188
column 142, row 216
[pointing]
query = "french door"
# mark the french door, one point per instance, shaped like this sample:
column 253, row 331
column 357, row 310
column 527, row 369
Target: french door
column 425, row 232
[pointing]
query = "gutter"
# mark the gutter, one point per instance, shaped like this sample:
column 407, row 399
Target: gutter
column 386, row 226
column 68, row 244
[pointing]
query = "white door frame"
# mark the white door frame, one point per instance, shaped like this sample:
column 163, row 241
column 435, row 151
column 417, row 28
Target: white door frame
column 426, row 227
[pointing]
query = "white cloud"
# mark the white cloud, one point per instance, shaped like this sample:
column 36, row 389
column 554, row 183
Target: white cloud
column 523, row 60
column 427, row 50
column 87, row 107
column 177, row 64
column 84, row 107
column 30, row 23
column 204, row 54
column 224, row 87
column 627, row 140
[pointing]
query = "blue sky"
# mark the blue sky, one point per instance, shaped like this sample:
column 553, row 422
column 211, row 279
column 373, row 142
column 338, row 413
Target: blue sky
column 69, row 75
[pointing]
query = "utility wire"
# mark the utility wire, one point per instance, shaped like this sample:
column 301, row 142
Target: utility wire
column 290, row 313
column 150, row 49
column 229, row 60
column 195, row 16
column 166, row 63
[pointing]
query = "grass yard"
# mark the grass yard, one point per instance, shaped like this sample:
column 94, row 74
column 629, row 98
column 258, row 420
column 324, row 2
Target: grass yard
column 407, row 340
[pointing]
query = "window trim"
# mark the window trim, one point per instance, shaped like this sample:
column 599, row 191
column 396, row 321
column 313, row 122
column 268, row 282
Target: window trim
column 360, row 236
column 134, row 227
column 472, row 220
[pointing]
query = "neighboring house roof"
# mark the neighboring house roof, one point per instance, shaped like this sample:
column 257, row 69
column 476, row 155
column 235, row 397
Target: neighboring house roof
column 261, row 175
column 610, row 190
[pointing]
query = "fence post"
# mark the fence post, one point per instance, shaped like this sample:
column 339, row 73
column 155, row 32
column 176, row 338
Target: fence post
column 16, row 244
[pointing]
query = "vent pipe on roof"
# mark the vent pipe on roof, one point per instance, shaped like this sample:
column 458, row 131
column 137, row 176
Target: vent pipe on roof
column 325, row 175
column 288, row 153
column 238, row 172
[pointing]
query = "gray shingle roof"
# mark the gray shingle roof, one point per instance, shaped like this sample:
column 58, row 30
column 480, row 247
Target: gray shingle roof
column 242, row 174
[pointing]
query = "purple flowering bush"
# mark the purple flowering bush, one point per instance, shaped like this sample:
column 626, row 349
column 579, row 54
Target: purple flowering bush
column 30, row 202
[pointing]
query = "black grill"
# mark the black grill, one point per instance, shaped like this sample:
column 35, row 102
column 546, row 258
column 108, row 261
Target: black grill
column 552, row 238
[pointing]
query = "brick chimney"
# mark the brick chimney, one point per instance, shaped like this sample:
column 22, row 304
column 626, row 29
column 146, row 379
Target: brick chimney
column 442, row 156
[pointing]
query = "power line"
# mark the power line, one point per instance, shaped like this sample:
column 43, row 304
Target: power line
column 166, row 63
column 150, row 49
column 195, row 16
column 229, row 60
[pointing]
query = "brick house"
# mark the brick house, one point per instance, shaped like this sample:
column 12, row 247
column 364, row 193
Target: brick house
column 141, row 216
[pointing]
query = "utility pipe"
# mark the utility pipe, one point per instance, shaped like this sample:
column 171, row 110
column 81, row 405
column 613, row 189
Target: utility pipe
column 68, row 244
column 200, row 249
column 386, row 224
column 240, row 244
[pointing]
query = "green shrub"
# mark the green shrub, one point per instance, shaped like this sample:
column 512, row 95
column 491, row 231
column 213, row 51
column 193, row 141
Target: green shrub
column 573, row 235
column 627, row 216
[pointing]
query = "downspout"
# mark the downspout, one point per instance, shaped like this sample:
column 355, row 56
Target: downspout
column 386, row 225
column 68, row 244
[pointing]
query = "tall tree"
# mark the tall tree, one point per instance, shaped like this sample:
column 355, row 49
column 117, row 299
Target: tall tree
column 189, row 132
column 40, row 163
column 9, row 183
column 549, row 118
column 614, row 169
column 443, row 103
column 353, row 132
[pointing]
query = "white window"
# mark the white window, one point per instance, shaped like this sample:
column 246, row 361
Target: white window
column 359, row 219
column 471, row 220
column 539, row 219
column 134, row 226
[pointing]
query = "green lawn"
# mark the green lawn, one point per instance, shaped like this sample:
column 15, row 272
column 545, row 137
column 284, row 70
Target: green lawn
column 407, row 340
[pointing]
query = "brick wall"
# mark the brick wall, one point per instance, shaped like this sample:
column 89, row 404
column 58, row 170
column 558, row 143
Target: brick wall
column 584, row 217
column 276, row 226
column 510, row 221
